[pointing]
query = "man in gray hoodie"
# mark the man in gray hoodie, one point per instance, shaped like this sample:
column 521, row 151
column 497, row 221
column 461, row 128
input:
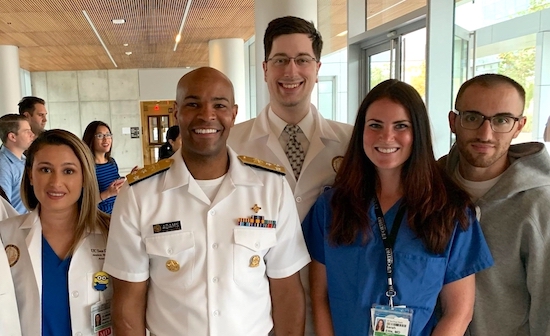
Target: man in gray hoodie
column 511, row 186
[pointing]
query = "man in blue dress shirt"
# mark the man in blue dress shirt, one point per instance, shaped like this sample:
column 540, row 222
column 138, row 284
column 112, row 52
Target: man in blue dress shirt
column 16, row 136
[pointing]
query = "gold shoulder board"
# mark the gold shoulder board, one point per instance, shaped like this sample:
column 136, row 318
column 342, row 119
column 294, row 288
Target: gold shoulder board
column 253, row 162
column 148, row 171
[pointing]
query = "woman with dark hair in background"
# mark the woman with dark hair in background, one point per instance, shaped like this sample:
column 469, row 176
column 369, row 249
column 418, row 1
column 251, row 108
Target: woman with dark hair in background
column 390, row 195
column 57, row 249
column 99, row 138
column 172, row 144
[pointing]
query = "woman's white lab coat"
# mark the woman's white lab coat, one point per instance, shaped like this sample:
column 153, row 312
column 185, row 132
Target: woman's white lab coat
column 25, row 232
column 9, row 317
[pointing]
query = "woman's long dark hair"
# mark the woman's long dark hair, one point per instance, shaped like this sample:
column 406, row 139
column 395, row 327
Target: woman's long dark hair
column 89, row 137
column 434, row 201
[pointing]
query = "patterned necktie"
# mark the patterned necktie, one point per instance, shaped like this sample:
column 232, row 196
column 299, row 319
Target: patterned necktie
column 294, row 151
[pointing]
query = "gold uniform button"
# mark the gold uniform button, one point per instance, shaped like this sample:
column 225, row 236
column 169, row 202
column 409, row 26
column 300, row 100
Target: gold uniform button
column 172, row 265
column 254, row 261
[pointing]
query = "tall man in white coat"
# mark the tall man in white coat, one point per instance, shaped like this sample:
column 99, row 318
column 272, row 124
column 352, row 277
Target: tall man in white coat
column 9, row 316
column 292, row 52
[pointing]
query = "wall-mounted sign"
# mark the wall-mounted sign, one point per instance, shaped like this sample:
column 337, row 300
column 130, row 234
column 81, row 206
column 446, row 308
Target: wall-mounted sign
column 134, row 132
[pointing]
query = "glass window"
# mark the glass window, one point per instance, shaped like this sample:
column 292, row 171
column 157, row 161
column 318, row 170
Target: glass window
column 327, row 97
column 493, row 37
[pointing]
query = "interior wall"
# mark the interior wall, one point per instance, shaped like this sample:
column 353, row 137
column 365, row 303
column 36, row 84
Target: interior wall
column 76, row 98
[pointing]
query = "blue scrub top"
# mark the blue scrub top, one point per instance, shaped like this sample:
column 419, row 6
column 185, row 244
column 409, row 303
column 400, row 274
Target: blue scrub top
column 56, row 315
column 357, row 278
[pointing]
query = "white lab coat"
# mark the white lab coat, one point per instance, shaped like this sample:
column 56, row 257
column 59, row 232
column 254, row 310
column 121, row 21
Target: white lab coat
column 25, row 232
column 330, row 139
column 9, row 317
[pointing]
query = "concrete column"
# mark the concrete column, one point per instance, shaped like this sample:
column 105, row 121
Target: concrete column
column 227, row 55
column 439, row 71
column 264, row 12
column 10, row 82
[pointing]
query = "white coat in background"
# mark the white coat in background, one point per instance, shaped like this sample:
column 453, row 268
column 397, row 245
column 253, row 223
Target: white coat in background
column 330, row 140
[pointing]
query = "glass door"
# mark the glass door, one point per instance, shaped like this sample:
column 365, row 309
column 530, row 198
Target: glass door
column 403, row 57
column 156, row 118
column 381, row 61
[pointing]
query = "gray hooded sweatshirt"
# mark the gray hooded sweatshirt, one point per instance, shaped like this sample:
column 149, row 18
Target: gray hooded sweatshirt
column 513, row 296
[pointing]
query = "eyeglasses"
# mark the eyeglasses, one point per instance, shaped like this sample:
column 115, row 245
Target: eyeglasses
column 301, row 61
column 500, row 123
column 100, row 136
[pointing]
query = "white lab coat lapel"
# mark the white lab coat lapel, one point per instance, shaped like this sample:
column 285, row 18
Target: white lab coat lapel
column 33, row 240
column 322, row 131
column 262, row 132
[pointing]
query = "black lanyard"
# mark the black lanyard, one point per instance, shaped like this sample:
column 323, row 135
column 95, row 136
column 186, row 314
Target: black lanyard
column 389, row 242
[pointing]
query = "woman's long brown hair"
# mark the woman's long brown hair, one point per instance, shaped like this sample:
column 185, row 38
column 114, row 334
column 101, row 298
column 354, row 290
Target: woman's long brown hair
column 433, row 200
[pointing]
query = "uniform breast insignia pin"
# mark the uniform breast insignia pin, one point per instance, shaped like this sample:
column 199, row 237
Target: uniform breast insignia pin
column 101, row 281
column 13, row 254
column 337, row 162
column 254, row 261
column 172, row 265
column 256, row 220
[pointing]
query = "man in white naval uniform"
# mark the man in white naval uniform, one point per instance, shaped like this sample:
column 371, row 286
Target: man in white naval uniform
column 209, row 246
column 9, row 316
column 292, row 52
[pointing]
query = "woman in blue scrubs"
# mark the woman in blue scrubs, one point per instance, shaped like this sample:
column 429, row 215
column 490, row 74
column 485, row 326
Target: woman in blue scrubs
column 58, row 248
column 389, row 185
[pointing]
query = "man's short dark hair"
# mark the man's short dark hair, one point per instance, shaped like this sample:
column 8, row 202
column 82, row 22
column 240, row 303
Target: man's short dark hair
column 9, row 123
column 292, row 25
column 488, row 81
column 27, row 104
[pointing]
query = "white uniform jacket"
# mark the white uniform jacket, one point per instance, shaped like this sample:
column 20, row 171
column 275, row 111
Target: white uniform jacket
column 330, row 139
column 25, row 232
column 9, row 317
column 208, row 274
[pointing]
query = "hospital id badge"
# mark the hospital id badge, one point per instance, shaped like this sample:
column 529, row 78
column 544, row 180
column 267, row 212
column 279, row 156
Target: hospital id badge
column 388, row 321
column 101, row 318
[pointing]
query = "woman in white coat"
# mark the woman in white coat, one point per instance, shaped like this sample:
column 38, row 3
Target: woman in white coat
column 9, row 318
column 57, row 250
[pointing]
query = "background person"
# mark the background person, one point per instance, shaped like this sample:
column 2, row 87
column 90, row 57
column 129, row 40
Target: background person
column 61, row 242
column 172, row 144
column 16, row 136
column 99, row 139
column 34, row 109
column 437, row 242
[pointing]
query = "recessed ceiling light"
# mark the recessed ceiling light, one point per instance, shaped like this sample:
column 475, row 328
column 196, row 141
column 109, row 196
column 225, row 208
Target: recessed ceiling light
column 118, row 21
column 125, row 44
column 187, row 67
column 128, row 53
column 344, row 33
